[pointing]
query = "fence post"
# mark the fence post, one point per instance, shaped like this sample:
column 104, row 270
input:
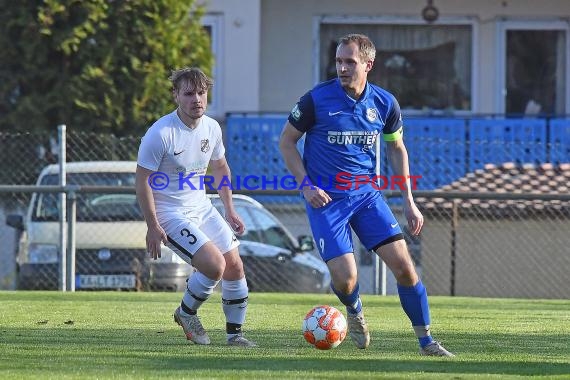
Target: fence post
column 379, row 265
column 384, row 275
column 61, row 131
column 71, row 218
column 454, row 223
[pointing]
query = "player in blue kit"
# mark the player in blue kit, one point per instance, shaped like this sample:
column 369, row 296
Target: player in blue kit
column 342, row 120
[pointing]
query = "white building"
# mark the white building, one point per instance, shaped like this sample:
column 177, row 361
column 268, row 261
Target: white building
column 477, row 57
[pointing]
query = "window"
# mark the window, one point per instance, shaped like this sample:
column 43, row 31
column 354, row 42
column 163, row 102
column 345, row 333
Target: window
column 213, row 26
column 252, row 231
column 427, row 67
column 534, row 67
column 273, row 233
column 91, row 207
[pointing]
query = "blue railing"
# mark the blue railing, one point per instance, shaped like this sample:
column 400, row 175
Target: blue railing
column 441, row 150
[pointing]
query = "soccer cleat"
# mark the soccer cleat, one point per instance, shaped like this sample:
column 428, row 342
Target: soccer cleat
column 192, row 327
column 358, row 330
column 240, row 341
column 435, row 349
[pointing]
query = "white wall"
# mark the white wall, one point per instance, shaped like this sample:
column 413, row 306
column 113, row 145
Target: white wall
column 240, row 63
column 269, row 45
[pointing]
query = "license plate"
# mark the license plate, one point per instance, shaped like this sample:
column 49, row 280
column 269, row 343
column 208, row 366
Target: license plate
column 111, row 281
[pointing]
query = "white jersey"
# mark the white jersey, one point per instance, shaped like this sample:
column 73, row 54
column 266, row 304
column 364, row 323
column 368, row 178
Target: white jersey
column 179, row 156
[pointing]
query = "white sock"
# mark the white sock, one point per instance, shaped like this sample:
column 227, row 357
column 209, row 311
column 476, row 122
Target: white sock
column 234, row 304
column 198, row 290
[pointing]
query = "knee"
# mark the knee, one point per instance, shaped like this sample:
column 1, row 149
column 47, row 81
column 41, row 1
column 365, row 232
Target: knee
column 234, row 269
column 345, row 284
column 219, row 271
column 406, row 274
column 398, row 259
column 209, row 261
column 215, row 269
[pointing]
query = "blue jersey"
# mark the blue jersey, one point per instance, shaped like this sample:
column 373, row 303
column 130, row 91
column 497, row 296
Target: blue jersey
column 342, row 133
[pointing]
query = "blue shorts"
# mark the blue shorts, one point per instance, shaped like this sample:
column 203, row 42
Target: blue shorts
column 369, row 216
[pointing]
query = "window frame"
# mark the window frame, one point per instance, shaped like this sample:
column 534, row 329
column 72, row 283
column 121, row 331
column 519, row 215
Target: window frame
column 502, row 27
column 400, row 20
column 215, row 22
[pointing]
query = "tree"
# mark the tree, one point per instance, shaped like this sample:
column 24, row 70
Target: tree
column 95, row 65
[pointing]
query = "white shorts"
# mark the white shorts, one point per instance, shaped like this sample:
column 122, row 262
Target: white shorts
column 188, row 232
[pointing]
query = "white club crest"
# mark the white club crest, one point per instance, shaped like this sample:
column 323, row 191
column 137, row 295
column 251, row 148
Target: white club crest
column 296, row 112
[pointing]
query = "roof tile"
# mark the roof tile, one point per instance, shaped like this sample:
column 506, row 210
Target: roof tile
column 509, row 177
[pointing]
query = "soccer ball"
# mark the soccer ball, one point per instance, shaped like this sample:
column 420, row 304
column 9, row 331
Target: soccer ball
column 324, row 327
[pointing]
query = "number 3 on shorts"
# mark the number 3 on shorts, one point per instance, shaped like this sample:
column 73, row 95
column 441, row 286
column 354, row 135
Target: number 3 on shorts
column 191, row 237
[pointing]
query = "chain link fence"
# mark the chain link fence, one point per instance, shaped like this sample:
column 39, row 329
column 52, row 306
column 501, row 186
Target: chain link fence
column 497, row 231
column 23, row 156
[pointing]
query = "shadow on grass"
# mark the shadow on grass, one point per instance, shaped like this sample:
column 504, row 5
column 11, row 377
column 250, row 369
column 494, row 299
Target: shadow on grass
column 149, row 350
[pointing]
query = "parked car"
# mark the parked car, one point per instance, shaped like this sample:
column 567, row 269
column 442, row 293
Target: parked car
column 273, row 259
column 110, row 240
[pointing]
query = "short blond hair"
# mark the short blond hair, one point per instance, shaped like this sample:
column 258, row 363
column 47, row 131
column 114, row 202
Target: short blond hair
column 191, row 75
column 366, row 47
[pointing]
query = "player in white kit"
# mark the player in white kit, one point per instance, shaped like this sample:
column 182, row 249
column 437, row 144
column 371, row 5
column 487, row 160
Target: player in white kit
column 173, row 157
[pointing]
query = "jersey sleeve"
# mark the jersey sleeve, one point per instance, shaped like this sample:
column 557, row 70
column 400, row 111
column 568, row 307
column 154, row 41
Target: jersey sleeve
column 219, row 150
column 394, row 129
column 302, row 116
column 151, row 150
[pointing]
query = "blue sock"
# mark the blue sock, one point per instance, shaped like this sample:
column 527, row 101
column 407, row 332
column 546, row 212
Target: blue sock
column 351, row 301
column 414, row 301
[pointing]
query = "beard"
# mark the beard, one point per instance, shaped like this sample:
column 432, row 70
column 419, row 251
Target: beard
column 194, row 114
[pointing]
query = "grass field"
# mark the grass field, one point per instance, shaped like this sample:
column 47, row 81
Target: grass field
column 85, row 335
